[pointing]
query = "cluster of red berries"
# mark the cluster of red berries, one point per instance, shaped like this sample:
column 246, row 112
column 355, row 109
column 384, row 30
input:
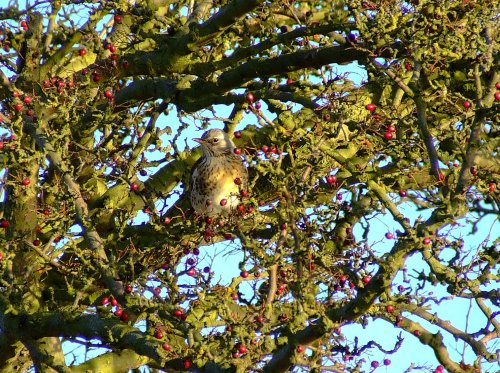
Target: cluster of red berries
column 250, row 98
column 19, row 103
column 391, row 129
column 118, row 311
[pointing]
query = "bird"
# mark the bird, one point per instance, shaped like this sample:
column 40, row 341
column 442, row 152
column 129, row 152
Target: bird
column 219, row 177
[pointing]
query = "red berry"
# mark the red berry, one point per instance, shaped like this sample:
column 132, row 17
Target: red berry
column 96, row 77
column 492, row 187
column 118, row 312
column 249, row 97
column 36, row 242
column 416, row 333
column 300, row 349
column 331, row 179
column 166, row 346
column 134, row 187
column 289, row 81
column 177, row 312
column 497, row 96
column 108, row 93
column 236, row 354
column 242, row 349
column 228, row 236
column 26, row 182
column 105, row 301
column 497, row 85
column 440, row 368
column 237, row 181
column 128, row 289
column 82, row 52
column 265, row 148
column 237, row 134
column 244, row 193
column 27, row 99
column 427, row 241
column 388, row 135
column 240, row 208
column 387, row 362
column 18, row 107
column 402, row 193
column 467, row 104
column 258, row 105
column 244, row 274
column 114, row 302
column 118, row 18
column 124, row 316
column 391, row 128
column 234, row 296
column 259, row 319
column 389, row 235
column 125, row 64
column 237, row 151
column 374, row 364
column 158, row 334
column 113, row 49
column 408, row 66
column 389, row 308
column 370, row 107
column 187, row 364
column 1, row 256
column 366, row 279
column 191, row 272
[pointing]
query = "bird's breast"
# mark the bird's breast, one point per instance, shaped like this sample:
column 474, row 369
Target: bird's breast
column 214, row 181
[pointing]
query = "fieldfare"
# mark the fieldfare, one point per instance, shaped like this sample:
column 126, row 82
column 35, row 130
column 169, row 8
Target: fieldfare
column 218, row 177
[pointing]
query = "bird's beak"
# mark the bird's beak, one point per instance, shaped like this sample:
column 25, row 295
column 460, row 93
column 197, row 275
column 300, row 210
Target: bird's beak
column 201, row 141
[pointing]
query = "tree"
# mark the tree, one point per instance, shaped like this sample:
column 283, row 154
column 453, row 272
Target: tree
column 85, row 90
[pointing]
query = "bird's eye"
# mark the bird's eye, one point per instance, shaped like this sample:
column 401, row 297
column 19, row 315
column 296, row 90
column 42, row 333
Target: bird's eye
column 215, row 140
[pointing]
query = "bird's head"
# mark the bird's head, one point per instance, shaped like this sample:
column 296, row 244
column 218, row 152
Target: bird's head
column 215, row 143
